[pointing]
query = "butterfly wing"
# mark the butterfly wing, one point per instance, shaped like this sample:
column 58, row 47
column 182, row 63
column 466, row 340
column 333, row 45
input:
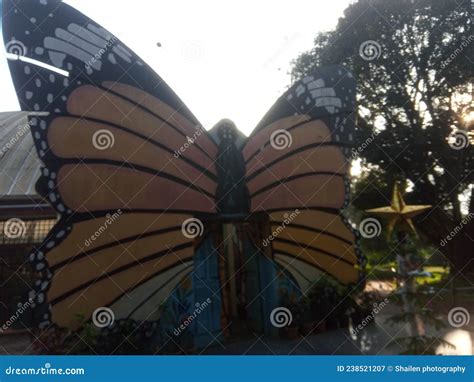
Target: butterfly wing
column 126, row 166
column 296, row 172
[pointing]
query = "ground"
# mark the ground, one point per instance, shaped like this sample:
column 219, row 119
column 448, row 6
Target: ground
column 372, row 340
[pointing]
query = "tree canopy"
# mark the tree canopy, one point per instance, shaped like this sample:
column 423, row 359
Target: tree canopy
column 413, row 62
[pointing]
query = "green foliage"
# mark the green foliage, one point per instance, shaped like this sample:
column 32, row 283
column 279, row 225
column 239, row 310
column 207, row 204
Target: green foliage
column 329, row 299
column 419, row 345
column 409, row 102
column 123, row 337
column 291, row 302
column 380, row 271
column 427, row 315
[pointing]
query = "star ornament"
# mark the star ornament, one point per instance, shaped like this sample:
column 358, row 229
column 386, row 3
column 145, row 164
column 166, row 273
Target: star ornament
column 398, row 212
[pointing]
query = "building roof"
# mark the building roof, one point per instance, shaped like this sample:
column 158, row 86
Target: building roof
column 19, row 163
column 19, row 170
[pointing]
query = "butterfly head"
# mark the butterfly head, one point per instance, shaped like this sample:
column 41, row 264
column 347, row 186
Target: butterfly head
column 226, row 131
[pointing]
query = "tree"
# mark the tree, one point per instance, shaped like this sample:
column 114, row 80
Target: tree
column 413, row 61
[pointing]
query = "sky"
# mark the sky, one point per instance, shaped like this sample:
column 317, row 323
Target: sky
column 224, row 59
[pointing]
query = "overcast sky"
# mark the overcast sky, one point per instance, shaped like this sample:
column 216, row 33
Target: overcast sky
column 225, row 59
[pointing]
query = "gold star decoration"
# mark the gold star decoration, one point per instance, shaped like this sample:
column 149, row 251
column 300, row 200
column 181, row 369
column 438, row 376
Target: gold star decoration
column 399, row 212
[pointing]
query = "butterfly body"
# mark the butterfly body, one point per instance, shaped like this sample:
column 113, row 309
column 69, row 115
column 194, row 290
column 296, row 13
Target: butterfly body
column 232, row 194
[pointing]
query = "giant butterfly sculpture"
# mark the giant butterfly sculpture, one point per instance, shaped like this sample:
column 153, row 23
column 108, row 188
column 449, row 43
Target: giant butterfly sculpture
column 117, row 140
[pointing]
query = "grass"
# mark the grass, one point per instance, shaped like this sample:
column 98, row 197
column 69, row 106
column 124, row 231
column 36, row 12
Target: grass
column 386, row 272
column 438, row 274
column 380, row 271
